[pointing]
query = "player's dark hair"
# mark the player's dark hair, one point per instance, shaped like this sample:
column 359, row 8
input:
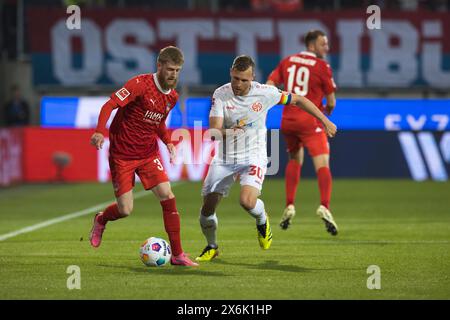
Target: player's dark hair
column 312, row 36
column 242, row 63
column 171, row 54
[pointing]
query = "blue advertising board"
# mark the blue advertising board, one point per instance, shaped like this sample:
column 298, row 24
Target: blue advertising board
column 357, row 114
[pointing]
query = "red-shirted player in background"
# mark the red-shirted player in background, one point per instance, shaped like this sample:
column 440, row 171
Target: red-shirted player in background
column 143, row 105
column 307, row 74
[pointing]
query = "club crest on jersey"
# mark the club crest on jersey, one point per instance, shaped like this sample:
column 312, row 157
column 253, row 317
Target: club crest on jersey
column 122, row 94
column 257, row 107
column 168, row 107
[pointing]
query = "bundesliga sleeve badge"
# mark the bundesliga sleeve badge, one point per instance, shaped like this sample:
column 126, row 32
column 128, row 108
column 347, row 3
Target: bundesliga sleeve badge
column 122, row 94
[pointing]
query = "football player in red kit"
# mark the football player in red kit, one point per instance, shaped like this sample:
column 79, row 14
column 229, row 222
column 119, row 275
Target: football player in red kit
column 307, row 74
column 143, row 105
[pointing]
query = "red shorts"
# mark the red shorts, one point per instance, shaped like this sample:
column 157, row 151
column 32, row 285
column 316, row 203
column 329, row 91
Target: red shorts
column 315, row 142
column 150, row 171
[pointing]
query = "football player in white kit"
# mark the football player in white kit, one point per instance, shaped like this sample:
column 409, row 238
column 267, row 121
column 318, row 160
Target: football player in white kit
column 238, row 117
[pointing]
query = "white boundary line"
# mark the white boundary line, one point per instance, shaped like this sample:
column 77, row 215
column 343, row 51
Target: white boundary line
column 377, row 242
column 68, row 216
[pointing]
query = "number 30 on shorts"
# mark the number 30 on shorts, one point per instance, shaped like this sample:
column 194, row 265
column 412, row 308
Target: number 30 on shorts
column 158, row 164
column 256, row 171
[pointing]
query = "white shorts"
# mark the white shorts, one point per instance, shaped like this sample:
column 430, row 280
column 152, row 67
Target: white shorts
column 221, row 176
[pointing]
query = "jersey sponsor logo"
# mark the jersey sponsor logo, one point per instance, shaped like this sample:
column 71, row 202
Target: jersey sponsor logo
column 242, row 122
column 231, row 108
column 122, row 94
column 257, row 107
column 153, row 117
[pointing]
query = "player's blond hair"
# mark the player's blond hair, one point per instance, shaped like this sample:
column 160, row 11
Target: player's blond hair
column 171, row 54
column 242, row 63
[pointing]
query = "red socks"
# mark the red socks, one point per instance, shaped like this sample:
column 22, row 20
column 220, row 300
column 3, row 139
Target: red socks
column 111, row 213
column 172, row 225
column 170, row 216
column 292, row 178
column 325, row 181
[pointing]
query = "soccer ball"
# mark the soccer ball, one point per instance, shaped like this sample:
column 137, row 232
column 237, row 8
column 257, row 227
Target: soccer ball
column 155, row 252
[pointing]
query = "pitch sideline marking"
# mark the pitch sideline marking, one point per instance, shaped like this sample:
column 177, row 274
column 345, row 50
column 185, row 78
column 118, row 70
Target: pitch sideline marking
column 69, row 216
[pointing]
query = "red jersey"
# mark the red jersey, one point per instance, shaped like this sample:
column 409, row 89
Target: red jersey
column 306, row 75
column 143, row 109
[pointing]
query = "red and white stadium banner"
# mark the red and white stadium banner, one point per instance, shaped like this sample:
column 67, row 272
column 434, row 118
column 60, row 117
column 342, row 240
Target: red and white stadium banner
column 11, row 153
column 28, row 155
column 85, row 163
column 112, row 45
column 41, row 145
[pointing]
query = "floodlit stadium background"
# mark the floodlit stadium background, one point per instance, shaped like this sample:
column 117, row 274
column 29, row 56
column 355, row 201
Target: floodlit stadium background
column 393, row 82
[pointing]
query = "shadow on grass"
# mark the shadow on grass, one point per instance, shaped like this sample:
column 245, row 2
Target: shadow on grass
column 266, row 265
column 275, row 266
column 169, row 270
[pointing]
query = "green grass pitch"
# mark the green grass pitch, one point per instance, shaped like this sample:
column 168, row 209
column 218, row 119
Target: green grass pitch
column 401, row 226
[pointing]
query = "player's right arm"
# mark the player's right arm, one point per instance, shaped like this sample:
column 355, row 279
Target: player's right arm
column 128, row 93
column 329, row 87
column 331, row 103
column 216, row 116
column 98, row 138
column 216, row 123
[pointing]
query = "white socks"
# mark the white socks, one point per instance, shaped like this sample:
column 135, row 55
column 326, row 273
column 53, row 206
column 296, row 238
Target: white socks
column 258, row 212
column 209, row 226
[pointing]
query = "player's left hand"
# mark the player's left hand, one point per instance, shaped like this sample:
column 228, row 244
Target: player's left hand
column 172, row 152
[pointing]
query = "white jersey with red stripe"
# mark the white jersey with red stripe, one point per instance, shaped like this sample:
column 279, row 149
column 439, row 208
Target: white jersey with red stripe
column 249, row 112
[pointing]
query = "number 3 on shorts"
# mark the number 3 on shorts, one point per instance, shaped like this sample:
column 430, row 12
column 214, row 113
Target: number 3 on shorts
column 254, row 170
column 158, row 164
